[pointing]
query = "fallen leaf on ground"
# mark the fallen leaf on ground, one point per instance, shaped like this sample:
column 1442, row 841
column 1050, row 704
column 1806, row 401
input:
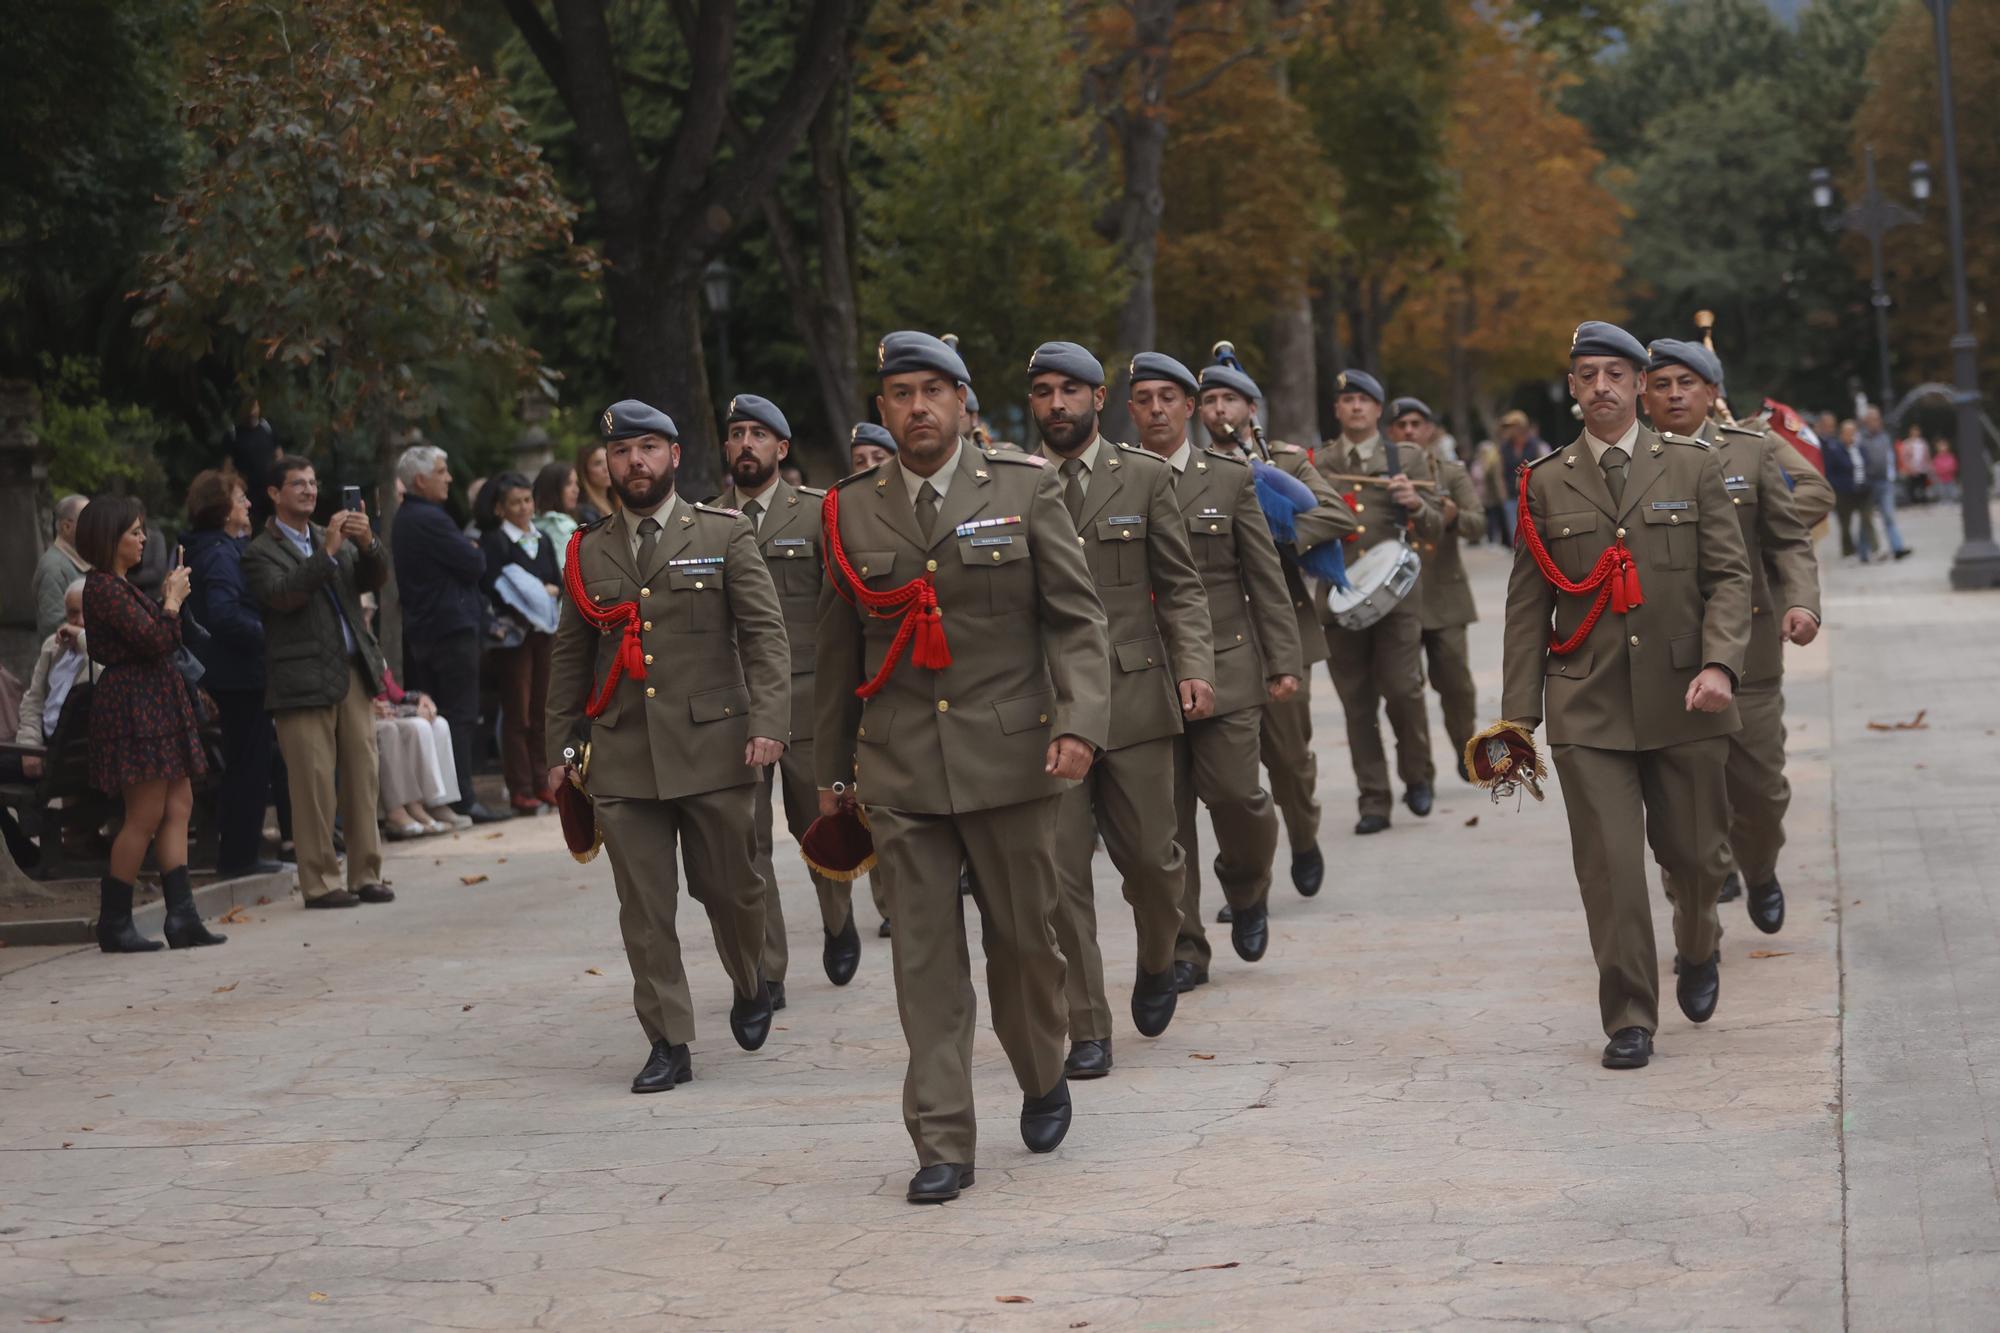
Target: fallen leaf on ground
column 1203, row 1267
column 1015, row 1300
column 315, row 1296
column 1770, row 953
column 1472, row 822
column 595, row 971
column 472, row 879
column 1916, row 723
column 502, row 861
column 1081, row 1323
column 58, row 1318
column 491, row 836
column 69, row 1145
column 230, row 987
column 1200, row 1055
column 235, row 916
column 465, row 1009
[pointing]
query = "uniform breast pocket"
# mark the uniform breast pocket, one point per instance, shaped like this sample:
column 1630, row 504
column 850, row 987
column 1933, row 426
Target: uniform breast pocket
column 1572, row 539
column 875, row 569
column 606, row 592
column 697, row 594
column 1674, row 528
column 1121, row 549
column 998, row 562
column 1214, row 540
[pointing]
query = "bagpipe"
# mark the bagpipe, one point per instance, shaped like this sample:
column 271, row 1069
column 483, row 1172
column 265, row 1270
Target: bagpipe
column 1284, row 497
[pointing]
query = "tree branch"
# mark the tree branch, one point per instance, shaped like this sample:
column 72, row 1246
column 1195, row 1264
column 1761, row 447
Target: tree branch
column 542, row 43
column 691, row 151
column 1221, row 68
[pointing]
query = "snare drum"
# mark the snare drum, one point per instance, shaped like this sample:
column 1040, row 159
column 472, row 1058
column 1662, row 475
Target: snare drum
column 1380, row 581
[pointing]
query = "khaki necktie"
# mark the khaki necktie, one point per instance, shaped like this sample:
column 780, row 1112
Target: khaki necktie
column 927, row 505
column 1613, row 463
column 649, row 542
column 754, row 511
column 1073, row 488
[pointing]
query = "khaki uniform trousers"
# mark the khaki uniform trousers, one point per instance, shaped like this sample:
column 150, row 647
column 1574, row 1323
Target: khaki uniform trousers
column 1011, row 852
column 1676, row 794
column 1759, row 793
column 317, row 743
column 1128, row 795
column 793, row 775
column 1451, row 676
column 1383, row 664
column 712, row 832
column 1285, row 745
column 1216, row 760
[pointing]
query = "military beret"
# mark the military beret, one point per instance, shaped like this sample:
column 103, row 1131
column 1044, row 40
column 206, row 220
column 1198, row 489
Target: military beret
column 1228, row 377
column 1675, row 352
column 909, row 350
column 1594, row 337
column 749, row 407
column 870, row 433
column 1160, row 366
column 628, row 418
column 1059, row 358
column 1359, row 381
column 971, row 399
column 1405, row 406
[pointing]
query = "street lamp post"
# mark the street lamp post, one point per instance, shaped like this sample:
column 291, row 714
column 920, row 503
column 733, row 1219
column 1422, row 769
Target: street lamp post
column 1874, row 216
column 715, row 290
column 1977, row 562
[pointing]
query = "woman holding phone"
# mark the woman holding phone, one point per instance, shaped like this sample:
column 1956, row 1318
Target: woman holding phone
column 145, row 744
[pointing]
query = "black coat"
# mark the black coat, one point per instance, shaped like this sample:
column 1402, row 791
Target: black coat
column 501, row 550
column 306, row 660
column 438, row 573
column 219, row 600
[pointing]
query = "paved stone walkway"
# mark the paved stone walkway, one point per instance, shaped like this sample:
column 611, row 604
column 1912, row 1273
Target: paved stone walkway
column 415, row 1116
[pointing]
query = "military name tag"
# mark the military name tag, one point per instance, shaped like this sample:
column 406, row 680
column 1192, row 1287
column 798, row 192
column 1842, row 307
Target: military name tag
column 967, row 529
column 1659, row 505
column 992, row 541
column 1122, row 519
column 1736, row 483
column 792, row 541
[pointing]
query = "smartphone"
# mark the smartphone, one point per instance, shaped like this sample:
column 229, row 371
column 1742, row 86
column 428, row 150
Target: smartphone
column 350, row 499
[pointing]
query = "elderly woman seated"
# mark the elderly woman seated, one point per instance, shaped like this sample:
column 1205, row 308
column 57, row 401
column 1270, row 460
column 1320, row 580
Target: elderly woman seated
column 418, row 779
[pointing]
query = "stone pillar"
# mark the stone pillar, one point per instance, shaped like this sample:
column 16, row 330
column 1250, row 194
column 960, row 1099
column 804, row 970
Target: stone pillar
column 26, row 519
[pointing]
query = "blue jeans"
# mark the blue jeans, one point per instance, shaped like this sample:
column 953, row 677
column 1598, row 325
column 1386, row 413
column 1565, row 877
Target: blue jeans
column 1885, row 505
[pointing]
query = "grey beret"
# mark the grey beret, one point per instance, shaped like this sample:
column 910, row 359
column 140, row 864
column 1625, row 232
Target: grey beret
column 870, row 433
column 1160, row 366
column 1405, row 406
column 628, row 418
column 971, row 399
column 909, row 350
column 1594, row 337
column 1675, row 352
column 1228, row 377
column 749, row 407
column 1359, row 381
column 1071, row 359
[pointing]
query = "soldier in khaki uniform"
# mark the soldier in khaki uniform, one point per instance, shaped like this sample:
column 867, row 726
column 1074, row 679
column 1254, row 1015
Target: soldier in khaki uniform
column 1230, row 401
column 673, row 756
column 1382, row 665
column 1443, row 593
column 1162, row 667
column 1256, row 661
column 961, row 749
column 1777, row 502
column 1635, row 673
column 785, row 519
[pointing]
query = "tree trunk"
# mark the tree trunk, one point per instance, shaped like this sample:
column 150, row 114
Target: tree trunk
column 1142, row 201
column 658, row 339
column 1291, row 397
column 1459, row 364
column 1329, row 352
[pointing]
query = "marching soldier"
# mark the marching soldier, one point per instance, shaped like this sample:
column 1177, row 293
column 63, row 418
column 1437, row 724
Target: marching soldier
column 674, row 749
column 1230, row 401
column 1683, row 382
column 1256, row 660
column 1443, row 594
column 1162, row 665
column 1628, row 618
column 961, row 729
column 785, row 520
column 1383, row 664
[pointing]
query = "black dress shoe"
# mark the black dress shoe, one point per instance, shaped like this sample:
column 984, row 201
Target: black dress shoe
column 1767, row 906
column 1045, row 1119
column 750, row 1019
column 939, row 1184
column 1088, row 1059
column 1250, row 932
column 1732, row 888
column 882, row 931
column 1418, row 797
column 375, row 893
column 479, row 814
column 1308, row 871
column 1153, row 998
column 666, row 1066
column 1698, row 987
column 1187, row 976
column 1629, row 1048
column 1371, row 824
column 841, row 953
column 1224, row 915
column 777, row 989
column 334, row 898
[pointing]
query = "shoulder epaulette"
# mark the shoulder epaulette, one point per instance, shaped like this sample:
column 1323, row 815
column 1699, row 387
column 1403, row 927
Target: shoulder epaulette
column 1537, row 462
column 600, row 521
column 1688, row 440
column 853, row 477
column 1010, row 456
column 1140, row 451
column 719, row 509
column 1739, row 428
column 815, row 492
column 1227, row 458
column 1285, row 447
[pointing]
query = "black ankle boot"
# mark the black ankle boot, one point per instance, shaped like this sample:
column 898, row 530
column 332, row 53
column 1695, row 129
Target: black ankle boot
column 184, row 928
column 115, row 931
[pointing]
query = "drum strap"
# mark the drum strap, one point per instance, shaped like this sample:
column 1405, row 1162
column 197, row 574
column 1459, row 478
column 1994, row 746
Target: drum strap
column 915, row 604
column 1614, row 578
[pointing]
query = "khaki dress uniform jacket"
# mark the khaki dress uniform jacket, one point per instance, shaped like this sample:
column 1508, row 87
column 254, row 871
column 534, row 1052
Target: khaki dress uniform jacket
column 1444, row 595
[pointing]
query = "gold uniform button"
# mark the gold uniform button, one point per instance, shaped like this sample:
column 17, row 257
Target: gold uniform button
column 645, row 624
column 1044, row 717
column 1079, row 539
column 649, row 659
column 944, row 705
column 1361, row 529
column 645, row 592
column 699, row 585
column 1566, row 532
column 1213, row 528
column 864, row 569
column 1635, row 641
column 996, row 557
column 1149, row 661
column 1125, row 532
column 1621, row 531
column 649, row 691
column 1239, row 638
column 727, row 711
column 1673, row 518
column 861, row 731
column 1736, row 499
column 931, row 565
column 1756, row 610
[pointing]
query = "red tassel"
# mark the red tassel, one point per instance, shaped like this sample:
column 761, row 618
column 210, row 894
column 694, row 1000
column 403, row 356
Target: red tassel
column 930, row 650
column 1633, row 597
column 632, row 655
